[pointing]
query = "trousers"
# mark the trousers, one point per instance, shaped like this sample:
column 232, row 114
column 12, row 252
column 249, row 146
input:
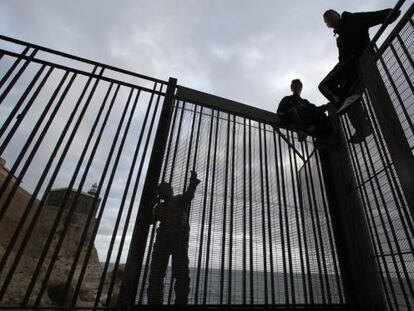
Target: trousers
column 174, row 244
column 342, row 81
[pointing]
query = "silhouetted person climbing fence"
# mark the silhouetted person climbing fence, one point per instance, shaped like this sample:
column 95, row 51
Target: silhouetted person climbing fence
column 343, row 86
column 172, row 239
column 298, row 114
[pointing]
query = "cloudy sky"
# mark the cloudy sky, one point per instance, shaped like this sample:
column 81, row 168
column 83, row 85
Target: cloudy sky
column 243, row 50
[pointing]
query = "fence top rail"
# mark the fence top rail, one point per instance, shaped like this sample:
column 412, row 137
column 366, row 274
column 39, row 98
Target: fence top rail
column 235, row 108
column 81, row 72
column 385, row 24
column 227, row 105
column 402, row 22
column 80, row 59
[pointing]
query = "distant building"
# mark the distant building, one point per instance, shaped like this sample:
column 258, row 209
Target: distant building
column 84, row 203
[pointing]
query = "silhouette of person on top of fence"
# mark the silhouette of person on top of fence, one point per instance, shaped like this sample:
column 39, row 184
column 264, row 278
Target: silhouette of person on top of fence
column 172, row 239
column 343, row 85
column 300, row 115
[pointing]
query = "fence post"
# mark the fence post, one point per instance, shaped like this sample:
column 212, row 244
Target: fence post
column 360, row 274
column 391, row 129
column 135, row 257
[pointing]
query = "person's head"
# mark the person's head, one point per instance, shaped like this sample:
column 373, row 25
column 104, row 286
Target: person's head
column 164, row 191
column 296, row 86
column 331, row 18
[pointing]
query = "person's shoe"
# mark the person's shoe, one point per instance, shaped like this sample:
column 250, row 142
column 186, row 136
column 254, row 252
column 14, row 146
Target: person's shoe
column 347, row 103
column 360, row 135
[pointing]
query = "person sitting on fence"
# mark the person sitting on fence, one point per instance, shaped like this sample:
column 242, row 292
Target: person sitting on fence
column 300, row 115
column 172, row 211
column 343, row 86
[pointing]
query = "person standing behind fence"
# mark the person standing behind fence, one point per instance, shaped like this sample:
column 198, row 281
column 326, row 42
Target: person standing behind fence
column 343, row 86
column 172, row 212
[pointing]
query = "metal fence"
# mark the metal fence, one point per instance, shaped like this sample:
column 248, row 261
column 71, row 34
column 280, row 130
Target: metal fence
column 83, row 145
column 76, row 137
column 260, row 230
column 383, row 161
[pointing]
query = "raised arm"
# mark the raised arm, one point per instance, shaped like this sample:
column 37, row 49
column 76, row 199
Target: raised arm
column 189, row 194
column 370, row 19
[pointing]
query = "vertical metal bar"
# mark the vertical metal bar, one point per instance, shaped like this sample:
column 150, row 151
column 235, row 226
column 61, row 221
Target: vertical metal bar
column 134, row 193
column 269, row 222
column 117, row 222
column 407, row 53
column 176, row 104
column 71, row 206
column 19, row 103
column 89, row 217
column 210, row 219
column 197, row 138
column 58, row 144
column 60, row 213
column 394, row 86
column 244, row 286
column 368, row 161
column 312, row 210
column 223, row 240
column 392, row 179
column 18, row 74
column 319, row 233
column 278, row 184
column 306, row 249
column 13, row 190
column 185, row 174
column 282, row 236
column 368, row 211
column 13, row 67
column 33, row 197
column 139, row 237
column 200, row 250
column 174, row 158
column 190, row 144
column 329, row 229
column 289, row 245
column 197, row 142
column 262, row 196
column 231, row 212
column 26, row 146
column 298, row 221
column 392, row 131
column 251, row 216
column 170, row 139
column 359, row 270
column 102, row 207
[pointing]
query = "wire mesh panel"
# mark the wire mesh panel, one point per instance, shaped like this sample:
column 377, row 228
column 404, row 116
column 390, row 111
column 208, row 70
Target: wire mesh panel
column 75, row 138
column 260, row 231
column 396, row 67
column 386, row 208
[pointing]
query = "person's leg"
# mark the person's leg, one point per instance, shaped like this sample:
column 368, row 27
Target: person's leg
column 360, row 121
column 316, row 122
column 339, row 81
column 330, row 85
column 180, row 269
column 159, row 262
